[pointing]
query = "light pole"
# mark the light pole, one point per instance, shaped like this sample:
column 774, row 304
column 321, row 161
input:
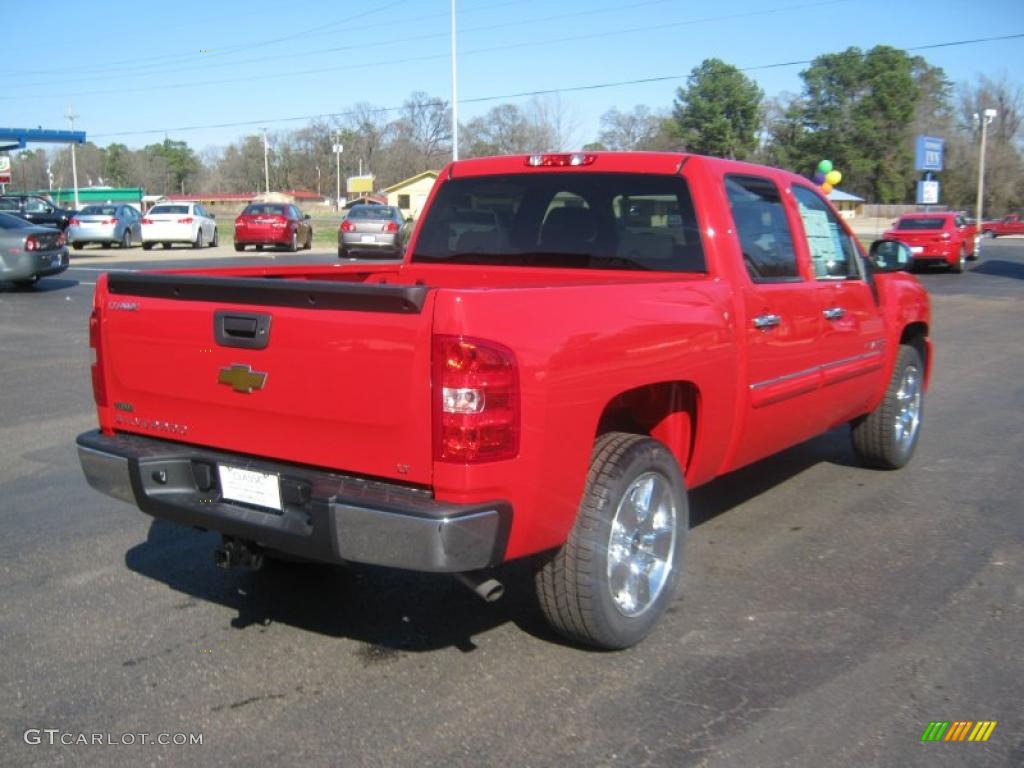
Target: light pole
column 337, row 171
column 318, row 181
column 455, row 95
column 986, row 117
column 70, row 115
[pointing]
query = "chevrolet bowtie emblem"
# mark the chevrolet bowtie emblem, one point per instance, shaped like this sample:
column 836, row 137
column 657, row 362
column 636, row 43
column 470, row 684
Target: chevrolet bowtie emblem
column 242, row 378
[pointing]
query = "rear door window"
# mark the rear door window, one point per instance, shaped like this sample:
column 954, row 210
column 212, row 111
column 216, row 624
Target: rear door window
column 762, row 228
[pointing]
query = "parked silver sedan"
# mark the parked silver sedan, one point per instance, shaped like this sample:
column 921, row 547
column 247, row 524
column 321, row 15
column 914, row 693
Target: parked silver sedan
column 28, row 252
column 105, row 224
column 371, row 230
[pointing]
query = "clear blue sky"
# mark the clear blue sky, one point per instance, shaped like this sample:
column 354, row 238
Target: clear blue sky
column 136, row 72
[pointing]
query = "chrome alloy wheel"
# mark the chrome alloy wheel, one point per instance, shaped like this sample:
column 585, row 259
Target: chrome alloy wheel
column 908, row 408
column 642, row 544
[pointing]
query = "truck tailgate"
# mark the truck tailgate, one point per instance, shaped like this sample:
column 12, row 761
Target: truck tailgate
column 327, row 373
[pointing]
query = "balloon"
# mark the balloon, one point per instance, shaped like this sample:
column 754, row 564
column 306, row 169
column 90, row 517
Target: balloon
column 819, row 177
column 825, row 166
column 833, row 177
column 826, row 187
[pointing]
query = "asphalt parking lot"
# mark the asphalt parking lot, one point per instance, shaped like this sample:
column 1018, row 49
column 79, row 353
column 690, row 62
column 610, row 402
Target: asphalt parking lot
column 828, row 614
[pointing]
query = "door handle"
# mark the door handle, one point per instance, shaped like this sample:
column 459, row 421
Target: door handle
column 765, row 322
column 834, row 313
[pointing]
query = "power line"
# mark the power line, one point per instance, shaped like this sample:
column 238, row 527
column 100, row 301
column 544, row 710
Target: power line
column 524, row 94
column 263, row 76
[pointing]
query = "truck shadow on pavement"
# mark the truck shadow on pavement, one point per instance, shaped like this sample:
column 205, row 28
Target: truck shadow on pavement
column 395, row 611
column 1000, row 268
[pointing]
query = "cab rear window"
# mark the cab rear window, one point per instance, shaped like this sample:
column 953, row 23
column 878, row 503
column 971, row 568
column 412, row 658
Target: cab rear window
column 578, row 220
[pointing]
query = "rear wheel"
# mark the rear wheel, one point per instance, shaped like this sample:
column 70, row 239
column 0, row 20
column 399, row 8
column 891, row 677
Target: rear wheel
column 618, row 572
column 342, row 254
column 961, row 261
column 239, row 247
column 28, row 282
column 293, row 245
column 166, row 245
column 309, row 240
column 215, row 241
column 887, row 436
column 147, row 246
column 259, row 246
column 199, row 239
column 77, row 246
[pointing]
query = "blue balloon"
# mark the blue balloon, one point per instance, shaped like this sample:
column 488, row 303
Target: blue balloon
column 819, row 177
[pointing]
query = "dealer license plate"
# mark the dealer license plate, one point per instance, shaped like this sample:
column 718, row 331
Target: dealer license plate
column 916, row 248
column 369, row 239
column 260, row 488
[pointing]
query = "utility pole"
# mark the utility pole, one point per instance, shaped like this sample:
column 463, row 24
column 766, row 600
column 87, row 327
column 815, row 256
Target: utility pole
column 70, row 115
column 455, row 95
column 318, row 182
column 266, row 162
column 986, row 117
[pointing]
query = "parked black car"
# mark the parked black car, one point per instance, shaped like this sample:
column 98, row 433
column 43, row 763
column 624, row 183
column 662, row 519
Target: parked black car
column 38, row 210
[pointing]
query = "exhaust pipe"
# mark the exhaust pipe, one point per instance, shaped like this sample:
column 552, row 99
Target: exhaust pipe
column 487, row 588
column 233, row 553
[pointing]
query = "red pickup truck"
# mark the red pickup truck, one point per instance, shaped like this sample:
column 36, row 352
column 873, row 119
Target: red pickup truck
column 570, row 342
column 1008, row 225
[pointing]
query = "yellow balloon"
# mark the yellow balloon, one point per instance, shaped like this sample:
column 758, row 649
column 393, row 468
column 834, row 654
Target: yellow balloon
column 833, row 177
column 826, row 187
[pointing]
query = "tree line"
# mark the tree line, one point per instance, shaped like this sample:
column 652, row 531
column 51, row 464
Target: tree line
column 859, row 109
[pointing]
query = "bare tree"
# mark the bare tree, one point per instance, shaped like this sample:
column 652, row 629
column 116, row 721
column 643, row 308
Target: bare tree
column 637, row 129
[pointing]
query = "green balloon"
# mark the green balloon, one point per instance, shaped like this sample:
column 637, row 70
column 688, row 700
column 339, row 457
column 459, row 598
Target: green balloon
column 825, row 166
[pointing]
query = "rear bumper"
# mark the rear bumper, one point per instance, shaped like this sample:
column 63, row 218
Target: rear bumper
column 33, row 263
column 327, row 516
column 268, row 236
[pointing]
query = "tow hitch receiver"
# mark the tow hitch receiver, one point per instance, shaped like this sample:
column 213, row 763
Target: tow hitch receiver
column 233, row 553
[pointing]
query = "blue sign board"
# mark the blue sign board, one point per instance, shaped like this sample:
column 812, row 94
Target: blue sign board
column 928, row 154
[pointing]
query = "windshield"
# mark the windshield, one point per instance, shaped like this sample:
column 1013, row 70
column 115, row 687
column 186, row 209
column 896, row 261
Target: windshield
column 921, row 222
column 584, row 220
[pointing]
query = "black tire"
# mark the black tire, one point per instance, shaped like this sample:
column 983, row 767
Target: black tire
column 199, row 239
column 259, row 246
column 574, row 585
column 293, row 246
column 886, row 437
column 216, row 240
column 166, row 246
column 309, row 241
column 239, row 247
column 77, row 246
column 147, row 246
column 27, row 283
column 342, row 253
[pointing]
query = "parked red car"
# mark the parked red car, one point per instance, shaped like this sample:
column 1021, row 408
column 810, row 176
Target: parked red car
column 277, row 224
column 1008, row 225
column 942, row 239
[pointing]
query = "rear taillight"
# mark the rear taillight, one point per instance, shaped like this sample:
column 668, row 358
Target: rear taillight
column 186, row 220
column 99, row 388
column 147, row 221
column 32, row 244
column 347, row 226
column 945, row 235
column 475, row 401
column 390, row 227
column 74, row 223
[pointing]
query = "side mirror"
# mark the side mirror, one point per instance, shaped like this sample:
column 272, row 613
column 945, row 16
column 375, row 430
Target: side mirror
column 890, row 256
column 307, row 216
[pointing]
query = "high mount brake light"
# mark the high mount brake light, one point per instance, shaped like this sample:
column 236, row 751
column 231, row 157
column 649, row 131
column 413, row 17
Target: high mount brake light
column 475, row 401
column 561, row 160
